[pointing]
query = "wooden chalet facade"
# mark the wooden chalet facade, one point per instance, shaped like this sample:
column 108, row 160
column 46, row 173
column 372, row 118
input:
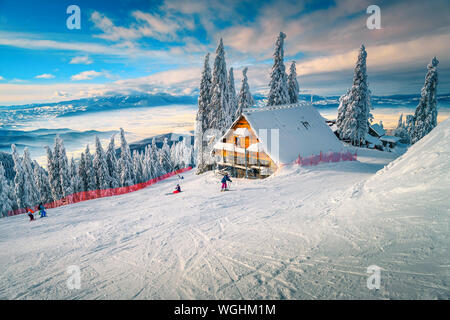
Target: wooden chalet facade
column 252, row 148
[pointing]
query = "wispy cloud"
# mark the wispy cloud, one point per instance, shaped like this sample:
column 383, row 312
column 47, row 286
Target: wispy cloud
column 45, row 76
column 86, row 75
column 81, row 60
column 1, row 78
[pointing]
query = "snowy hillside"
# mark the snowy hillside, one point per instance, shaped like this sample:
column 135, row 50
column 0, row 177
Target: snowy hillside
column 304, row 233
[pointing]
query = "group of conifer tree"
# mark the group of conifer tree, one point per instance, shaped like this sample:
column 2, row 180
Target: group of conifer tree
column 101, row 170
column 219, row 107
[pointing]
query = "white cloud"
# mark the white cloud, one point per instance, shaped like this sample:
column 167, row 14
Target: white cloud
column 81, row 60
column 45, row 76
column 1, row 78
column 86, row 75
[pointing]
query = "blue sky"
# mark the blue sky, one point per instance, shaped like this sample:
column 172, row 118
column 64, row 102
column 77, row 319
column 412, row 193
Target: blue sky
column 158, row 46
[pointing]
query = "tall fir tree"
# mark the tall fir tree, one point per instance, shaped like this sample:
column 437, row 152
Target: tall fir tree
column 111, row 162
column 89, row 170
column 293, row 87
column 125, row 162
column 218, row 114
column 66, row 185
column 204, row 100
column 245, row 98
column 21, row 189
column 75, row 179
column 164, row 156
column 155, row 165
column 232, row 97
column 425, row 116
column 137, row 167
column 354, row 106
column 278, row 93
column 83, row 186
column 29, row 178
column 41, row 181
column 6, row 203
column 54, row 178
column 100, row 165
column 401, row 131
column 147, row 163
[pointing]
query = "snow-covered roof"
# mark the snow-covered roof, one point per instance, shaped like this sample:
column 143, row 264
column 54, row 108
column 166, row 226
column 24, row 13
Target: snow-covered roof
column 373, row 140
column 390, row 139
column 378, row 129
column 242, row 132
column 302, row 131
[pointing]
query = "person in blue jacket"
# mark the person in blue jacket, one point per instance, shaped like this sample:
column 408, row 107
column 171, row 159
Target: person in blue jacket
column 42, row 210
column 224, row 182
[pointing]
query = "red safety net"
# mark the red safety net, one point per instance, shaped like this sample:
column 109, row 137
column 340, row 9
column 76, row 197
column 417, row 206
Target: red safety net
column 95, row 194
column 328, row 157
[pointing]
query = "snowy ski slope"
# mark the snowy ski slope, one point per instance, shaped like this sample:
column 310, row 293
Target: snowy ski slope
column 305, row 233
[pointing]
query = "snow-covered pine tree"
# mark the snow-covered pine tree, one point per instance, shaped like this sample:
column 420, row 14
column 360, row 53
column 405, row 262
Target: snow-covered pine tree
column 125, row 162
column 409, row 124
column 89, row 170
column 401, row 131
column 138, row 167
column 41, row 181
column 232, row 97
column 111, row 161
column 155, row 165
column 147, row 164
column 173, row 155
column 29, row 178
column 245, row 98
column 186, row 153
column 279, row 93
column 219, row 116
column 83, row 186
column 6, row 203
column 101, row 174
column 21, row 186
column 66, row 186
column 75, row 179
column 293, row 87
column 54, row 178
column 425, row 116
column 164, row 159
column 354, row 107
column 204, row 100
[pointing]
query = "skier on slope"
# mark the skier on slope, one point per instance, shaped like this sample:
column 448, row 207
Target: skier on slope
column 224, row 182
column 31, row 214
column 42, row 210
column 177, row 189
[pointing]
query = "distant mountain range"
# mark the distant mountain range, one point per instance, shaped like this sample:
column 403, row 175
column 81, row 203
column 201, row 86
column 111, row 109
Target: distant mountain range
column 13, row 115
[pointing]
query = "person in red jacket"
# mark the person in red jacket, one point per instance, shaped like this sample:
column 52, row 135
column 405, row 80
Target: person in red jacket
column 177, row 189
column 31, row 214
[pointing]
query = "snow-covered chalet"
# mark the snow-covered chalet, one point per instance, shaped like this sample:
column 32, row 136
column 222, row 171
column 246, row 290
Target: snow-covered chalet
column 264, row 138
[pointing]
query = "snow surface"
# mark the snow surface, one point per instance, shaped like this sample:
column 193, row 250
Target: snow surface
column 304, row 233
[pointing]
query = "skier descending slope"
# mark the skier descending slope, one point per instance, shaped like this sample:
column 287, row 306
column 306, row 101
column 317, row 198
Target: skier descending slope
column 42, row 210
column 31, row 214
column 224, row 182
column 177, row 189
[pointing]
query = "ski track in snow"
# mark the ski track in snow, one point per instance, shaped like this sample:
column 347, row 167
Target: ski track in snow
column 305, row 233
